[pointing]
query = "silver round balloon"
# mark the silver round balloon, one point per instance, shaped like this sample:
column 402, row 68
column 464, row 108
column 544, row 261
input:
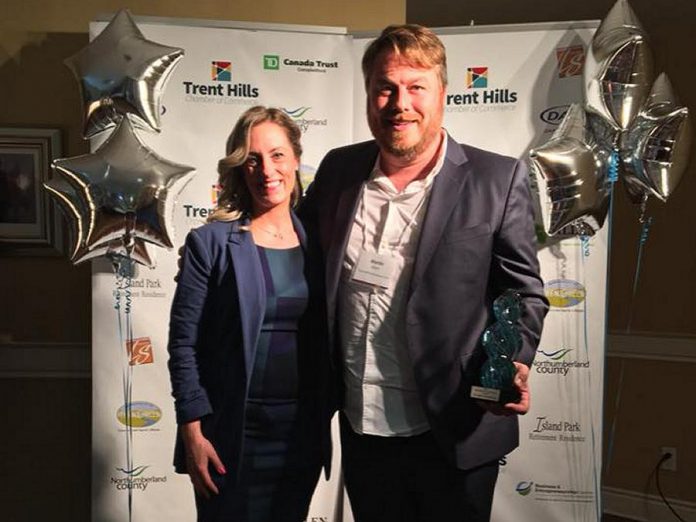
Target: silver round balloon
column 128, row 189
column 655, row 149
column 618, row 67
column 122, row 73
column 572, row 167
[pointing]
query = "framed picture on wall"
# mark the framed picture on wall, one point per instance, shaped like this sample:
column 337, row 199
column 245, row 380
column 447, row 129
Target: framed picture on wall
column 29, row 221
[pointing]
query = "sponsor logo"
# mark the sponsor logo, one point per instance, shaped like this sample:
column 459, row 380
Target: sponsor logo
column 271, row 62
column 477, row 77
column 135, row 479
column 142, row 414
column 479, row 96
column 215, row 193
column 570, row 60
column 564, row 293
column 201, row 213
column 221, row 90
column 556, row 430
column 524, row 488
column 303, row 121
column 146, row 287
column 221, row 71
column 554, row 115
column 140, row 351
column 554, row 493
column 555, row 363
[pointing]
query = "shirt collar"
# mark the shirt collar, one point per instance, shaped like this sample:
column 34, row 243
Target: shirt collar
column 380, row 179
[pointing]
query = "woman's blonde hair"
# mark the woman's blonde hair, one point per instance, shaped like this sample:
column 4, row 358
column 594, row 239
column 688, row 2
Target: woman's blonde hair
column 234, row 200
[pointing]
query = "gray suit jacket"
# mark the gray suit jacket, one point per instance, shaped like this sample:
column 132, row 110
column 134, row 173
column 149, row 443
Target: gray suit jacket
column 477, row 240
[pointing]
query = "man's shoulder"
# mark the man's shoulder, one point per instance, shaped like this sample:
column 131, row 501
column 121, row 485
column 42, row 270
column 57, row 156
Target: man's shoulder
column 484, row 157
column 353, row 150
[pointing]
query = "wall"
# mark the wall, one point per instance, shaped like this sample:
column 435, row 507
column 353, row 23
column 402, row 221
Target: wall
column 45, row 313
column 652, row 342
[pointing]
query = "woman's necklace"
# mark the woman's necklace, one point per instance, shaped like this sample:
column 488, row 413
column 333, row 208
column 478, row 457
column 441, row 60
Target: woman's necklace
column 273, row 233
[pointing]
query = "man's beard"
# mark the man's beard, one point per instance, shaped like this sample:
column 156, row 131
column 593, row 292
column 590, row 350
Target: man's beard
column 392, row 143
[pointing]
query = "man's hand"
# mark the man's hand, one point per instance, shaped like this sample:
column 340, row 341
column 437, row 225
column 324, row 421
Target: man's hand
column 199, row 454
column 513, row 408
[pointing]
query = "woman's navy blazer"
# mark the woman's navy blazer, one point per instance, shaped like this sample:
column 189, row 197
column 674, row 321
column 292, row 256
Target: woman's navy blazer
column 216, row 318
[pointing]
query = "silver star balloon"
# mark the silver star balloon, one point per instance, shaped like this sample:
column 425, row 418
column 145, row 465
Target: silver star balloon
column 618, row 68
column 655, row 149
column 572, row 167
column 128, row 189
column 76, row 213
column 122, row 73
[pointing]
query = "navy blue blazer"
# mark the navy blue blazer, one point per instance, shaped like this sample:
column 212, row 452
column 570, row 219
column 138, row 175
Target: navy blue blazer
column 476, row 241
column 216, row 318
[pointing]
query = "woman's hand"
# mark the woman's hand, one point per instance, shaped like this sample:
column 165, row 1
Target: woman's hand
column 200, row 453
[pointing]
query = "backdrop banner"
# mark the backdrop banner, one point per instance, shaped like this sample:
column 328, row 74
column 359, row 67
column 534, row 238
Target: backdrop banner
column 509, row 87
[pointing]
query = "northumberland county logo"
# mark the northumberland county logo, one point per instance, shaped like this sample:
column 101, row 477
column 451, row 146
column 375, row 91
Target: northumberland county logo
column 477, row 77
column 557, row 362
column 271, row 62
column 142, row 414
column 564, row 293
column 140, row 351
column 570, row 60
column 524, row 488
column 479, row 97
column 135, row 479
column 298, row 116
column 221, row 71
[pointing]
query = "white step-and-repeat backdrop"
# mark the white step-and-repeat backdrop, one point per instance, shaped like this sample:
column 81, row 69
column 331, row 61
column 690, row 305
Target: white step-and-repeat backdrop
column 509, row 88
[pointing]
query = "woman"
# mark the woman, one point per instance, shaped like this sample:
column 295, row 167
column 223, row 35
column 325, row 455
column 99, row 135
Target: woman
column 248, row 357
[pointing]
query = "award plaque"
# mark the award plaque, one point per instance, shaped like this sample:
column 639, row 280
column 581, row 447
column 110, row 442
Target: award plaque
column 501, row 341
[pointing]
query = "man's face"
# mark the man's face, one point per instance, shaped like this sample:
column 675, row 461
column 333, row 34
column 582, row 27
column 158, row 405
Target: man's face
column 404, row 106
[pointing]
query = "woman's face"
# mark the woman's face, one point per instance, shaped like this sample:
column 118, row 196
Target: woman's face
column 269, row 170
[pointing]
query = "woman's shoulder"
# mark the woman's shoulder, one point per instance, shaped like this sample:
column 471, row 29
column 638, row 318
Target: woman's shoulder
column 217, row 230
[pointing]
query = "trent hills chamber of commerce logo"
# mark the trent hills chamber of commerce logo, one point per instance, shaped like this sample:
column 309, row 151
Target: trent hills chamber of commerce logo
column 477, row 77
column 480, row 94
column 221, row 71
column 571, row 60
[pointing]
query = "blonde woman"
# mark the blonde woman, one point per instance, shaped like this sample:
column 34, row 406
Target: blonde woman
column 249, row 362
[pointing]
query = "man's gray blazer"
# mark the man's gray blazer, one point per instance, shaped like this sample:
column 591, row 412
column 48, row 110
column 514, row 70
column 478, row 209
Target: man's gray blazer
column 477, row 240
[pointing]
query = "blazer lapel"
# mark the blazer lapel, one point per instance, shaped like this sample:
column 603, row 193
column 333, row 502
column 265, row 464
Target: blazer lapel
column 343, row 222
column 445, row 195
column 251, row 289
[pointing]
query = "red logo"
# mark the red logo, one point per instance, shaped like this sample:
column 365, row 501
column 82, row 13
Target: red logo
column 570, row 60
column 140, row 351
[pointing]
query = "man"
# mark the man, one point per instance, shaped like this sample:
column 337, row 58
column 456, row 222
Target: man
column 420, row 235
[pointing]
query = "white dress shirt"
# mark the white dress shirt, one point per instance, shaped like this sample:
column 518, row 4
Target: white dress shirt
column 381, row 397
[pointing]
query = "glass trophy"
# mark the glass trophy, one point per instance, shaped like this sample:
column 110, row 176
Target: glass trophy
column 501, row 341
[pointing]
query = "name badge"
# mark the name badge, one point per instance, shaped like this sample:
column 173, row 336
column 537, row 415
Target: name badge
column 373, row 269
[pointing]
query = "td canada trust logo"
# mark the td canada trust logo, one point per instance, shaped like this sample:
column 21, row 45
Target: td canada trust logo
column 273, row 62
column 220, row 87
column 479, row 95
